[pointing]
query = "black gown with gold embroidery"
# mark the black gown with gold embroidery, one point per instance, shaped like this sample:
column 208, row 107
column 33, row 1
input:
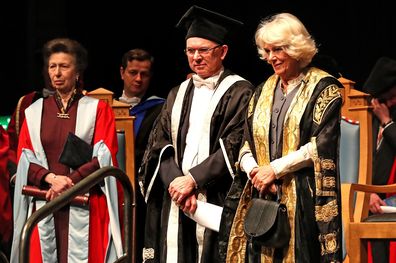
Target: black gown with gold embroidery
column 311, row 194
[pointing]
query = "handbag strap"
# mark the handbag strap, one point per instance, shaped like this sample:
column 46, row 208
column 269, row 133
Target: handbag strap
column 278, row 192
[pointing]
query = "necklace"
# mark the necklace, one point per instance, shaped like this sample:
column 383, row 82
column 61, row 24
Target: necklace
column 63, row 111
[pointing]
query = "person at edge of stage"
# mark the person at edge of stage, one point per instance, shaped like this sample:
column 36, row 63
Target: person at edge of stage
column 5, row 197
column 89, row 233
column 381, row 85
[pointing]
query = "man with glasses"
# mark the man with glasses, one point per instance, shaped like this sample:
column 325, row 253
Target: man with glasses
column 194, row 145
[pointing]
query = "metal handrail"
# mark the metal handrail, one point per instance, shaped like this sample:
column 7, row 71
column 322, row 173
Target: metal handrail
column 81, row 188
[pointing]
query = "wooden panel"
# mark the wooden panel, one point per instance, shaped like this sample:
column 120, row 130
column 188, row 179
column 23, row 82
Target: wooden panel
column 126, row 124
column 356, row 107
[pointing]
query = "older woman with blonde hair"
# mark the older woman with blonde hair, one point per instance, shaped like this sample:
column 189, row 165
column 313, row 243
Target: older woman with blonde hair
column 292, row 130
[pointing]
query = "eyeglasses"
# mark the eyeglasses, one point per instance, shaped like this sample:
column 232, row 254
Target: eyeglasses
column 201, row 51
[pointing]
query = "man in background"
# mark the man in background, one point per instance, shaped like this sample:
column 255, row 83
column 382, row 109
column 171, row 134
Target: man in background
column 136, row 71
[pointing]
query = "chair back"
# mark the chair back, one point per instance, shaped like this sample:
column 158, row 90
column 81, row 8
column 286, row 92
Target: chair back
column 355, row 160
column 121, row 155
column 124, row 126
column 349, row 150
column 349, row 160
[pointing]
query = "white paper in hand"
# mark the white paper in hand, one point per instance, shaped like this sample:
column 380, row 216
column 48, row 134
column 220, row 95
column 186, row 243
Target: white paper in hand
column 207, row 215
column 388, row 209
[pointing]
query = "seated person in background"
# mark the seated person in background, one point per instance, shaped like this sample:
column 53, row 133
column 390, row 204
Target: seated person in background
column 381, row 84
column 136, row 72
column 84, row 234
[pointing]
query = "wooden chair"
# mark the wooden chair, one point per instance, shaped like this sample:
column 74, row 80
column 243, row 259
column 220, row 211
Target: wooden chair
column 124, row 126
column 126, row 142
column 355, row 196
column 355, row 156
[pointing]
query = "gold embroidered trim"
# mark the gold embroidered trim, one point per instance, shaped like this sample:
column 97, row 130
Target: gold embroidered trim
column 328, row 182
column 261, row 121
column 325, row 193
column 324, row 182
column 244, row 149
column 328, row 243
column 326, row 97
column 250, row 107
column 148, row 253
column 237, row 243
column 326, row 212
column 328, row 164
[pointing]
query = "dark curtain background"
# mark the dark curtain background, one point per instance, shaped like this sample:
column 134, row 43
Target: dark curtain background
column 354, row 34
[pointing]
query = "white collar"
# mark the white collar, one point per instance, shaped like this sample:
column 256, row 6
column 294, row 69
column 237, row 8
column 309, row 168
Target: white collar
column 131, row 101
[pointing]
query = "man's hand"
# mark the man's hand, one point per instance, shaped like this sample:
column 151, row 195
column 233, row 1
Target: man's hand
column 180, row 188
column 189, row 205
column 375, row 203
column 381, row 111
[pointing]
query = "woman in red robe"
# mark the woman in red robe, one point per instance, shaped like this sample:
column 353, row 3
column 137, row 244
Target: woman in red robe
column 82, row 234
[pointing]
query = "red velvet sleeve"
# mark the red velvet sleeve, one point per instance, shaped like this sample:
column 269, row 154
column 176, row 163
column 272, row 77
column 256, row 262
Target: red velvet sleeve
column 24, row 140
column 105, row 129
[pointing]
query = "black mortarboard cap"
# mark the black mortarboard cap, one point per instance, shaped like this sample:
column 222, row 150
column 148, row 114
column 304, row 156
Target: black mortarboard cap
column 200, row 22
column 382, row 77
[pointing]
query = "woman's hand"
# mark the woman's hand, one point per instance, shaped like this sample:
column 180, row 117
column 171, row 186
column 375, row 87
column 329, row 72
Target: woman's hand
column 59, row 184
column 263, row 178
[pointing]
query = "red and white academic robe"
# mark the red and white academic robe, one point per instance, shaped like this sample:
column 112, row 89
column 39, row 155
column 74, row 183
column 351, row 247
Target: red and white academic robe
column 106, row 235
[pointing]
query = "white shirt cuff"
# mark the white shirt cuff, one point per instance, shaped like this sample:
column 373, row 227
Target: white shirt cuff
column 247, row 163
column 293, row 161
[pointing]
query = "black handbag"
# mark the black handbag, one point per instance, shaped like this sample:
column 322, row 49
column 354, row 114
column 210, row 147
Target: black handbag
column 267, row 222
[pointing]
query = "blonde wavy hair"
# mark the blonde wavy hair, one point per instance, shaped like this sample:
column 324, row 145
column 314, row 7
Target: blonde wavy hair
column 288, row 32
